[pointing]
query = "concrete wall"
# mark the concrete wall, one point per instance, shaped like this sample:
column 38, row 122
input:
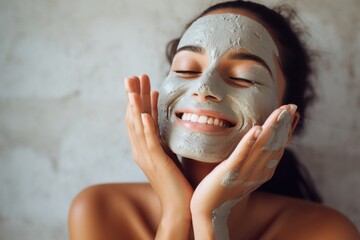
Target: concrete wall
column 62, row 65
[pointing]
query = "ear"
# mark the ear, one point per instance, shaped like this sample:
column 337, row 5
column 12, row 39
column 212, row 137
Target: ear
column 294, row 123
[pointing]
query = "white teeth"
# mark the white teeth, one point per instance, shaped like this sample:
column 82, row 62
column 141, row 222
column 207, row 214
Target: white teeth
column 194, row 118
column 204, row 119
column 210, row 120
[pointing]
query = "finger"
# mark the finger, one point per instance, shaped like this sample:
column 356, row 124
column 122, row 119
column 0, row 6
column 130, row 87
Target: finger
column 244, row 147
column 154, row 144
column 266, row 133
column 266, row 144
column 258, row 162
column 294, row 122
column 252, row 167
column 128, row 114
column 155, row 116
column 131, row 133
column 149, row 131
column 151, row 137
column 271, row 160
column 276, row 129
column 136, row 110
column 270, row 166
column 258, row 172
column 145, row 88
column 266, row 166
column 134, row 127
column 132, row 85
column 134, row 143
column 232, row 170
column 272, row 119
column 154, row 109
column 145, row 160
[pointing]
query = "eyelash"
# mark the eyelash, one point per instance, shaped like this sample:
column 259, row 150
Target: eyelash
column 191, row 73
column 187, row 72
column 244, row 80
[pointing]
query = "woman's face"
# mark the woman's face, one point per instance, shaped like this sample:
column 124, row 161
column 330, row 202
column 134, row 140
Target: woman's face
column 224, row 79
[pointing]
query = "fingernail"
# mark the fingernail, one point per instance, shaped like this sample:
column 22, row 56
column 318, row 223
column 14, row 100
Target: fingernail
column 284, row 114
column 257, row 133
column 286, row 107
column 293, row 108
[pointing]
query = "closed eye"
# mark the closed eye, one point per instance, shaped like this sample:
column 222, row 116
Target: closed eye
column 187, row 74
column 243, row 82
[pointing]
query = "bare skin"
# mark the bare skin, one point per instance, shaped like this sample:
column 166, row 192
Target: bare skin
column 179, row 201
column 173, row 210
column 133, row 212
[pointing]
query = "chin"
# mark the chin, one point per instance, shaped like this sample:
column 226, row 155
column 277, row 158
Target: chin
column 202, row 152
column 207, row 159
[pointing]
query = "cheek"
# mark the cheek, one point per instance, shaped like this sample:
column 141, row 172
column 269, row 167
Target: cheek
column 281, row 82
column 255, row 104
column 172, row 88
column 281, row 89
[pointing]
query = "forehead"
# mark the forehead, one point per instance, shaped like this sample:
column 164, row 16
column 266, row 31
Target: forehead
column 217, row 33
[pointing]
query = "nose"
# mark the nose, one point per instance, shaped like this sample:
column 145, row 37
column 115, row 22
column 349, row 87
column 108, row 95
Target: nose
column 208, row 87
column 204, row 93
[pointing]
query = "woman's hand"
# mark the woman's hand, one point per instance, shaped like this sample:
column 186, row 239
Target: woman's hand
column 165, row 177
column 252, row 163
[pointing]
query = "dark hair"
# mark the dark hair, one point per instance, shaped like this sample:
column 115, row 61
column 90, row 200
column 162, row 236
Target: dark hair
column 295, row 59
column 290, row 178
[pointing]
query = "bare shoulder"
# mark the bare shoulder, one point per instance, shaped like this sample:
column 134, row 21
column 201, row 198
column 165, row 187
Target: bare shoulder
column 299, row 219
column 140, row 194
column 131, row 210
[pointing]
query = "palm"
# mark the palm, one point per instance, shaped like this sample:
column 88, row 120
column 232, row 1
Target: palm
column 157, row 162
column 252, row 163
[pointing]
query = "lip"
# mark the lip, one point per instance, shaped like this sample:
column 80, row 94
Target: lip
column 205, row 112
column 201, row 126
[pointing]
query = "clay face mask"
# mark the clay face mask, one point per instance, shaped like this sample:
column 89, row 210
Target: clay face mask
column 218, row 124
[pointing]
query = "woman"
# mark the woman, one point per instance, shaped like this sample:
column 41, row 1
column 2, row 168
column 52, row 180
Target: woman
column 226, row 111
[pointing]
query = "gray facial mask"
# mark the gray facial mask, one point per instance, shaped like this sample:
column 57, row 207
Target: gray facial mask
column 219, row 34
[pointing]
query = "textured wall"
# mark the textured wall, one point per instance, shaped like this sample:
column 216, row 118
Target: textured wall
column 62, row 65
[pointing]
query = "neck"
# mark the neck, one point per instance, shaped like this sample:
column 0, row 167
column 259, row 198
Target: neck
column 196, row 171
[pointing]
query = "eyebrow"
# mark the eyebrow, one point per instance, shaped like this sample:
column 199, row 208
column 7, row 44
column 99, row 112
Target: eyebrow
column 232, row 55
column 249, row 56
column 195, row 49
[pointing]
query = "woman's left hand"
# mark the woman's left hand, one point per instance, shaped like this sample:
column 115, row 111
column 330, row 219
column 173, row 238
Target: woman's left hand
column 252, row 163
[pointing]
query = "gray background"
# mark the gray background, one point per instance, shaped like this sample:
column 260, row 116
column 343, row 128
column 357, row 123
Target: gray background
column 62, row 65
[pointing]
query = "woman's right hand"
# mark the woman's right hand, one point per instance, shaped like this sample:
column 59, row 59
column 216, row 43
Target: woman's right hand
column 165, row 177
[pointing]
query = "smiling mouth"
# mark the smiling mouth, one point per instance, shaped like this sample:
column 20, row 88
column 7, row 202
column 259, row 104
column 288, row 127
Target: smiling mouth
column 204, row 119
